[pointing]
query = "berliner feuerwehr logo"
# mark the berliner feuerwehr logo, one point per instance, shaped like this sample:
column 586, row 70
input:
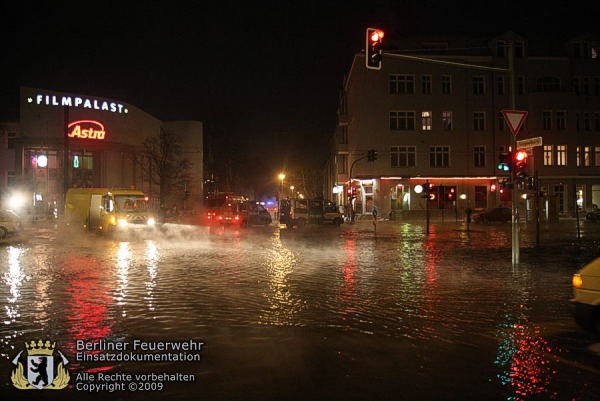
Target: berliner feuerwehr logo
column 42, row 374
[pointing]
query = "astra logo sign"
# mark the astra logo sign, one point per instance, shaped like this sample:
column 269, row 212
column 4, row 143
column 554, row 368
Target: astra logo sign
column 78, row 101
column 86, row 129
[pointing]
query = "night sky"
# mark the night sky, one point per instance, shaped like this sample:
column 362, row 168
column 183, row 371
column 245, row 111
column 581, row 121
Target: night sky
column 262, row 76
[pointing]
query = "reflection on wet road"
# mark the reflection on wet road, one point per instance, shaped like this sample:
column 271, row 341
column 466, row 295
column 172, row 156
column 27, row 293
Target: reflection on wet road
column 314, row 313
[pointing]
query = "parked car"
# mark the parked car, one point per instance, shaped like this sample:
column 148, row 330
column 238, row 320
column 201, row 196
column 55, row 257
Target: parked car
column 500, row 213
column 585, row 304
column 10, row 223
column 594, row 215
column 300, row 212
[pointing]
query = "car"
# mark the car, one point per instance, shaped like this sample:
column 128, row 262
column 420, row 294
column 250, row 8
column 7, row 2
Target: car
column 300, row 212
column 10, row 224
column 585, row 303
column 500, row 213
column 594, row 215
column 244, row 214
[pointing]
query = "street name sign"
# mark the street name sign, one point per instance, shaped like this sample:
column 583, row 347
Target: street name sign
column 515, row 119
column 530, row 142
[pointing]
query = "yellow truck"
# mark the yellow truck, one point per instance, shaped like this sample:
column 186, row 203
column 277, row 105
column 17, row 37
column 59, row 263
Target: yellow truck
column 106, row 209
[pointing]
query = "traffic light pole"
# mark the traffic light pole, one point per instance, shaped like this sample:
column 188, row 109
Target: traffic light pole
column 513, row 174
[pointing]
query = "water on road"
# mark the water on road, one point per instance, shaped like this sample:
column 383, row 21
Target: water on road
column 318, row 313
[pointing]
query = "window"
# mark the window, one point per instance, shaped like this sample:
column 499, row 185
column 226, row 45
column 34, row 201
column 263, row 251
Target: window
column 343, row 138
column 519, row 49
column 587, row 150
column 577, row 53
column 561, row 120
column 426, row 84
column 403, row 156
column 586, row 121
column 587, row 86
column 478, row 121
column 501, row 122
column 11, row 140
column 578, row 156
column 597, row 156
column 426, row 120
column 501, row 49
column 547, row 120
column 479, row 156
column 402, row 120
column 478, row 85
column 500, row 85
column 548, row 84
column 596, row 84
column 439, row 156
column 402, row 84
column 447, row 120
column 447, row 84
column 521, row 85
column 561, row 155
column 548, row 157
column 576, row 85
column 597, row 121
column 342, row 163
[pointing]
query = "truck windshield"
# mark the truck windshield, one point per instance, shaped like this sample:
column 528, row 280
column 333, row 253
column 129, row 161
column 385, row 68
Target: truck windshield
column 130, row 203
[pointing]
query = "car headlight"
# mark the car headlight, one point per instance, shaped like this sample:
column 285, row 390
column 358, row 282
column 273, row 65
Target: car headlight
column 122, row 222
column 151, row 221
column 577, row 281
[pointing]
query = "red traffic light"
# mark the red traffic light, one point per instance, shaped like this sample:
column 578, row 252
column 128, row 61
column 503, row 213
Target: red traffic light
column 373, row 50
column 520, row 159
column 376, row 35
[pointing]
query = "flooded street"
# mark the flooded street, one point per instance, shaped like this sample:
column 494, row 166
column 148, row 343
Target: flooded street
column 318, row 313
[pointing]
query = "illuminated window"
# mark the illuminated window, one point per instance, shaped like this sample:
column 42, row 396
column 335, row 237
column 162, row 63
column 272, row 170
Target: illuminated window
column 587, row 150
column 597, row 156
column 548, row 155
column 402, row 120
column 426, row 120
column 561, row 155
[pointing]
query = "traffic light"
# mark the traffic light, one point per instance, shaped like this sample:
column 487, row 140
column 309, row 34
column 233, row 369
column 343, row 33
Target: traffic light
column 505, row 162
column 373, row 51
column 371, row 155
column 429, row 192
column 520, row 163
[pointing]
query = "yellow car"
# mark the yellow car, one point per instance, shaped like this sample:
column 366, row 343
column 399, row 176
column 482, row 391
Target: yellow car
column 585, row 304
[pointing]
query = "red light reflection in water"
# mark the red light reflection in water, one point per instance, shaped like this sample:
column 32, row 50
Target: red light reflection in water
column 524, row 357
column 429, row 293
column 87, row 309
column 347, row 292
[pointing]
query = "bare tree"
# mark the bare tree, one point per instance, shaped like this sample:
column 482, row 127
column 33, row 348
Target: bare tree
column 164, row 166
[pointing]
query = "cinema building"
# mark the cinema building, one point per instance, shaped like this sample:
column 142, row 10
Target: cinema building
column 65, row 140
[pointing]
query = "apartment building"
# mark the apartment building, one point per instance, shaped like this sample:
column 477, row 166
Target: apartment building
column 436, row 118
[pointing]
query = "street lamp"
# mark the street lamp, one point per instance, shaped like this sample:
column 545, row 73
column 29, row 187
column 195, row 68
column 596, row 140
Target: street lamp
column 281, row 177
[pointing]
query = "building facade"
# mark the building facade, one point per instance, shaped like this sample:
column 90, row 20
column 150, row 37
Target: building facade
column 436, row 117
column 65, row 140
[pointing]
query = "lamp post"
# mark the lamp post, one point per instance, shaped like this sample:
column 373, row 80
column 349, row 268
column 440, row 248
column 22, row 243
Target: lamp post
column 281, row 177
